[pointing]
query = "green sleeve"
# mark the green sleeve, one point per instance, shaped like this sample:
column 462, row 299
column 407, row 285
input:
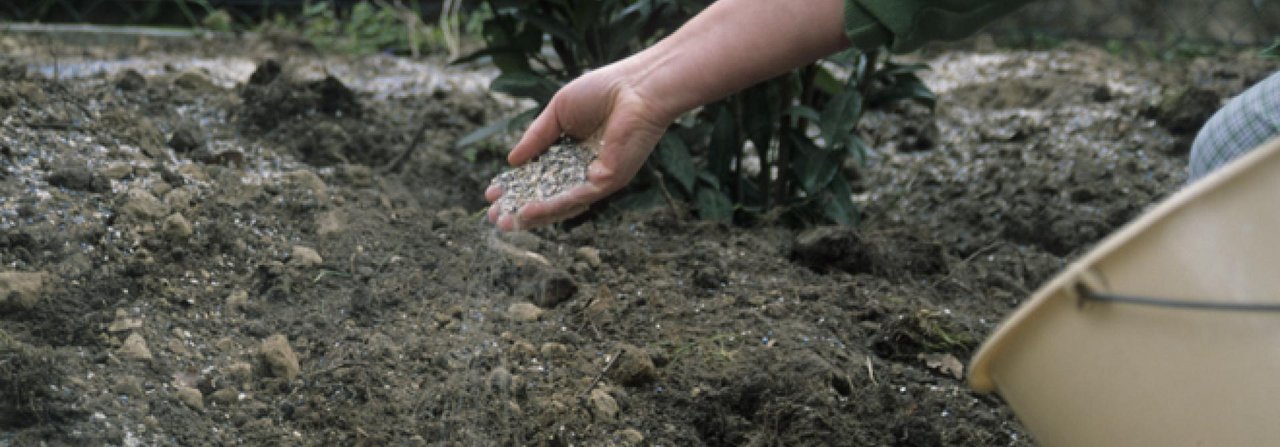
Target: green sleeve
column 905, row 25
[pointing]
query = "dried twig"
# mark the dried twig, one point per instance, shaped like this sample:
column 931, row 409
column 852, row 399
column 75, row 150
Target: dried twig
column 599, row 376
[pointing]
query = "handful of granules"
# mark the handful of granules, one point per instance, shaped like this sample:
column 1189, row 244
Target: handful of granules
column 557, row 170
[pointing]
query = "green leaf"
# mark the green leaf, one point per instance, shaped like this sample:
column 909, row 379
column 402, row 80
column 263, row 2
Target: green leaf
column 906, row 88
column 494, row 128
column 551, row 26
column 525, row 85
column 895, row 69
column 714, row 206
column 837, row 203
column 487, row 52
column 857, row 148
column 827, row 82
column 1273, row 51
column 840, row 116
column 814, row 167
column 675, row 158
column 640, row 200
column 803, row 111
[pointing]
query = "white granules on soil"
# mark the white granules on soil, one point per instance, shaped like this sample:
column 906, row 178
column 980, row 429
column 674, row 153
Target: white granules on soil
column 559, row 169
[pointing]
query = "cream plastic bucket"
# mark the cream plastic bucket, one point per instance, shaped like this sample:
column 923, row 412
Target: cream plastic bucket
column 1083, row 372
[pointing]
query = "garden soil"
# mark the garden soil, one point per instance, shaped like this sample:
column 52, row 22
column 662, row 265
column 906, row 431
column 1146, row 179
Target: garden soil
column 246, row 243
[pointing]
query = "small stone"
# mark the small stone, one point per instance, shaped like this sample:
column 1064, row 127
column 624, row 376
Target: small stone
column 589, row 254
column 135, row 348
column 554, row 350
column 523, row 349
column 499, row 380
column 304, row 256
column 553, row 287
column 194, row 80
column 79, row 178
column 359, row 176
column 306, row 179
column 225, row 396
column 142, row 204
column 130, row 81
column 242, row 371
column 330, row 223
column 237, row 301
column 191, row 397
column 633, row 367
column 21, row 289
column 193, row 172
column 176, row 227
column 115, row 171
column 600, row 311
column 603, row 405
column 629, row 437
column 524, row 312
column 279, row 357
column 178, row 198
column 129, row 386
column 186, row 138
column 124, row 322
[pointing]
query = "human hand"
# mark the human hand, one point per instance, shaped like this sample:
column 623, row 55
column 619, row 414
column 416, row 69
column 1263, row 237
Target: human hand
column 606, row 111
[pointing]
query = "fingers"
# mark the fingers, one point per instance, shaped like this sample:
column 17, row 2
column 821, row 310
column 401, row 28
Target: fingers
column 541, row 134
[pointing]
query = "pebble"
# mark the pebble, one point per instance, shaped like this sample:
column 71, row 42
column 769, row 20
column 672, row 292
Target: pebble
column 130, row 80
column 123, row 322
column 307, row 179
column 129, row 386
column 629, row 437
column 499, row 380
column 303, row 256
column 79, row 178
column 191, row 397
column 553, row 287
column 590, row 255
column 524, row 312
column 241, row 371
column 115, row 171
column 142, row 204
column 186, row 138
column 237, row 301
column 603, row 405
column 554, row 350
column 194, row 80
column 135, row 348
column 178, row 198
column 21, row 289
column 633, row 367
column 193, row 172
column 279, row 357
column 225, row 396
column 330, row 223
column 176, row 227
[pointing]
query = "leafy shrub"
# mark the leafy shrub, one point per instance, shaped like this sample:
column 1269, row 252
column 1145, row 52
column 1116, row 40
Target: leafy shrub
column 776, row 149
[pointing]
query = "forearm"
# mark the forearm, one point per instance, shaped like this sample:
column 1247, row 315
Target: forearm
column 731, row 45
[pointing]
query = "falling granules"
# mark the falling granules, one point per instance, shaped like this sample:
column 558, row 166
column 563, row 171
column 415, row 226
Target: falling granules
column 559, row 169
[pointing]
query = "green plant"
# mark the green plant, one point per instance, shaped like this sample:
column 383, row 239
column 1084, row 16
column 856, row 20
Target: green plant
column 367, row 27
column 1272, row 51
column 776, row 149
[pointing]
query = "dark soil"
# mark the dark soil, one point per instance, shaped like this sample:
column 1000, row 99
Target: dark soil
column 236, row 265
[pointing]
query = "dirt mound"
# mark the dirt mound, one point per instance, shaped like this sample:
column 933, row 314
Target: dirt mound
column 321, row 120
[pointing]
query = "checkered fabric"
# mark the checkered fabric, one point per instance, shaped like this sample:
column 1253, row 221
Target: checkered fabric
column 1247, row 121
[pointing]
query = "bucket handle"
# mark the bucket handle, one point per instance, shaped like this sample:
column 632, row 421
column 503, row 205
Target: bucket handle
column 1090, row 283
